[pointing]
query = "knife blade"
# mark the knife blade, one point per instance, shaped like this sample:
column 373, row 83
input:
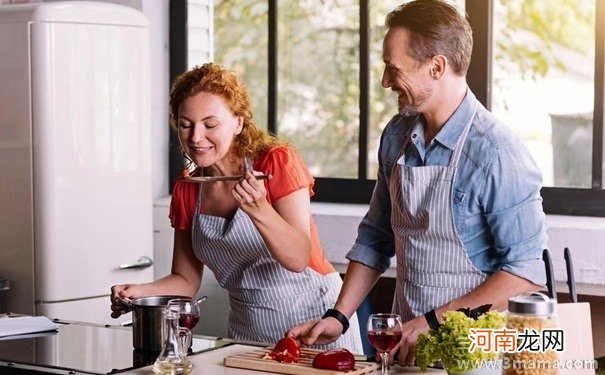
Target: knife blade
column 571, row 280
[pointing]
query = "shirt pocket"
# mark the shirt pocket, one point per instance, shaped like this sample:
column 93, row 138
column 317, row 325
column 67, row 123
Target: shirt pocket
column 458, row 196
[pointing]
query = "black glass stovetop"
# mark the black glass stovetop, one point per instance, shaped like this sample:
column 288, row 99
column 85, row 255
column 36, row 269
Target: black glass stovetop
column 84, row 348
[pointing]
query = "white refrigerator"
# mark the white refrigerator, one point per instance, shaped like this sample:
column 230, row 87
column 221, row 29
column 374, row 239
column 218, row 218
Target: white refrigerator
column 75, row 173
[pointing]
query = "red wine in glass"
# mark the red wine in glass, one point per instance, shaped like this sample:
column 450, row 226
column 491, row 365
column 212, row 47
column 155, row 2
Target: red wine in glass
column 384, row 333
column 188, row 320
column 189, row 311
column 384, row 341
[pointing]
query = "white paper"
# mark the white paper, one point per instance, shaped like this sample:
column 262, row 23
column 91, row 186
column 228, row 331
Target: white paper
column 25, row 324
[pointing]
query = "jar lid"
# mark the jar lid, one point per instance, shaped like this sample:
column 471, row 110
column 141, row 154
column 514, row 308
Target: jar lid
column 532, row 304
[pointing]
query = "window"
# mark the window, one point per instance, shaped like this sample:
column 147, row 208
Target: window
column 314, row 71
column 383, row 103
column 543, row 83
column 539, row 66
column 241, row 43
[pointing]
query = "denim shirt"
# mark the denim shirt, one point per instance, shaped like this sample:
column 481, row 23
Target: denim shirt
column 496, row 202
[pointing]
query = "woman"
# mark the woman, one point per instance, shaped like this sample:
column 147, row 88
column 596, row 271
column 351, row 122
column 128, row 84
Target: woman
column 257, row 237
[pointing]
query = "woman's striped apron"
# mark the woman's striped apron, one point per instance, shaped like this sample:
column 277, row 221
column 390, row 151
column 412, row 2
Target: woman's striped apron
column 266, row 299
column 433, row 267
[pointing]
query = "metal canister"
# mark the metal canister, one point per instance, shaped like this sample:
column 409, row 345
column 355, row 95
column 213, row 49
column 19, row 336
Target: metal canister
column 530, row 314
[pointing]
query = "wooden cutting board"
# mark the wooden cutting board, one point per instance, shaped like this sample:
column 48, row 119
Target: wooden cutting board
column 252, row 360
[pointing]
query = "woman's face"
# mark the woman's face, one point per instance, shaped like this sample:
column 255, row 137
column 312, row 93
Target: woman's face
column 206, row 128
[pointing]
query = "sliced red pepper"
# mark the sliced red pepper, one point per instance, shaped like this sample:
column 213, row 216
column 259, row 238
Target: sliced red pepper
column 337, row 359
column 288, row 344
column 286, row 350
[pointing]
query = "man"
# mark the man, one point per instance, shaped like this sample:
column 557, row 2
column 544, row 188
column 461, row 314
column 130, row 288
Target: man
column 457, row 197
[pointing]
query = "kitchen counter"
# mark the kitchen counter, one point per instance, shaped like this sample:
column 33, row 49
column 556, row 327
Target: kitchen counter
column 82, row 348
column 211, row 362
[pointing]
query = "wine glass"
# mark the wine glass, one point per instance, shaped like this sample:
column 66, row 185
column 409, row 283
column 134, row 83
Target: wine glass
column 189, row 311
column 189, row 315
column 384, row 333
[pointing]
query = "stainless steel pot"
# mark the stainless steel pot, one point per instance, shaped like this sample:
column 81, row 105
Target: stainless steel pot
column 147, row 322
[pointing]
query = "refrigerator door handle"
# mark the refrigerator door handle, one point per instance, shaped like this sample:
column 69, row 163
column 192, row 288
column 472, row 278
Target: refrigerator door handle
column 142, row 262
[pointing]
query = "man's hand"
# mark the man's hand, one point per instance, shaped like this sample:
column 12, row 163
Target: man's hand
column 319, row 332
column 411, row 330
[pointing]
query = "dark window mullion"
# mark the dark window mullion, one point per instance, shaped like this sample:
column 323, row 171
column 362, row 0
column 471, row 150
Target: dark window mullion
column 178, row 64
column 479, row 73
column 273, row 72
column 364, row 87
column 599, row 83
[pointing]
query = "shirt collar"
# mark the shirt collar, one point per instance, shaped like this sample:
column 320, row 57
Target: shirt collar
column 452, row 129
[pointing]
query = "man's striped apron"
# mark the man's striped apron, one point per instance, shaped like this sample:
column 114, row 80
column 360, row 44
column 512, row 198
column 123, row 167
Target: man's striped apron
column 433, row 266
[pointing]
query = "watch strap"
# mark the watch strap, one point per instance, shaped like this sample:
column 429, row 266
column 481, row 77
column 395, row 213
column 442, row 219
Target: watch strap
column 431, row 319
column 333, row 313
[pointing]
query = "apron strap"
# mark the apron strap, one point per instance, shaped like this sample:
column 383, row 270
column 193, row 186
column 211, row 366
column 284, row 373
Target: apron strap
column 460, row 143
column 406, row 140
column 198, row 201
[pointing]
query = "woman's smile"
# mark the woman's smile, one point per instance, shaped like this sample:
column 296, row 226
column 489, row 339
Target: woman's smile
column 200, row 149
column 207, row 127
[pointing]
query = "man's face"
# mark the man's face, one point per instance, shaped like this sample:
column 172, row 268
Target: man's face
column 410, row 79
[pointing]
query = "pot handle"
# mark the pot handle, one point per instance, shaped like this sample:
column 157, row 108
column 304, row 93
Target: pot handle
column 126, row 302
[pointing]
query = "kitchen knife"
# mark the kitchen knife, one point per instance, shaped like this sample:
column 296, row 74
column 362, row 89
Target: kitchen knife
column 571, row 280
column 550, row 279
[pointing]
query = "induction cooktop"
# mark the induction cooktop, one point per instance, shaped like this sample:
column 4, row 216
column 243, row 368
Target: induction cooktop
column 82, row 348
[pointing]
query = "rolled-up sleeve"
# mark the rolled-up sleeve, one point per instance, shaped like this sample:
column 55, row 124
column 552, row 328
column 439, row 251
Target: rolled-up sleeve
column 514, row 213
column 375, row 245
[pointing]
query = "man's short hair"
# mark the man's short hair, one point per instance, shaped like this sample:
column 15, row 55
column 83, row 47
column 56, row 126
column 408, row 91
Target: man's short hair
column 436, row 28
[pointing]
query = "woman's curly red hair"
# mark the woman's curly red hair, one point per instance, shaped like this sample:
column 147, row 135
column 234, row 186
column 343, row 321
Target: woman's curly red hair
column 215, row 79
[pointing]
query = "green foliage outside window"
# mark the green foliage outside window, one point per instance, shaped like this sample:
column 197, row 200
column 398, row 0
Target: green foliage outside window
column 318, row 62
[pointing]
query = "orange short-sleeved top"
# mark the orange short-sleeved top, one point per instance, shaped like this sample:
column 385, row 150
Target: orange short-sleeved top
column 290, row 174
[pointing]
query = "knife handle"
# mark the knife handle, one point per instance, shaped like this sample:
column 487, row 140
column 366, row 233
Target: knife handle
column 550, row 279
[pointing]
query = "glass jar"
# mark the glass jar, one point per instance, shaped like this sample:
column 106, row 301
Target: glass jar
column 530, row 314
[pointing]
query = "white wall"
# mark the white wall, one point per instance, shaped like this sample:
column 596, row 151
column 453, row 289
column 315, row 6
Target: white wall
column 337, row 225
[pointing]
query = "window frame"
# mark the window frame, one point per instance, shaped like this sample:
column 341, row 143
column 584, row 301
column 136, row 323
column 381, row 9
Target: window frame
column 556, row 200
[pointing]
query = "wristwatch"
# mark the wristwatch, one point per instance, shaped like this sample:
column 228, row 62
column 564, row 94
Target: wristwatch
column 338, row 316
column 431, row 319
